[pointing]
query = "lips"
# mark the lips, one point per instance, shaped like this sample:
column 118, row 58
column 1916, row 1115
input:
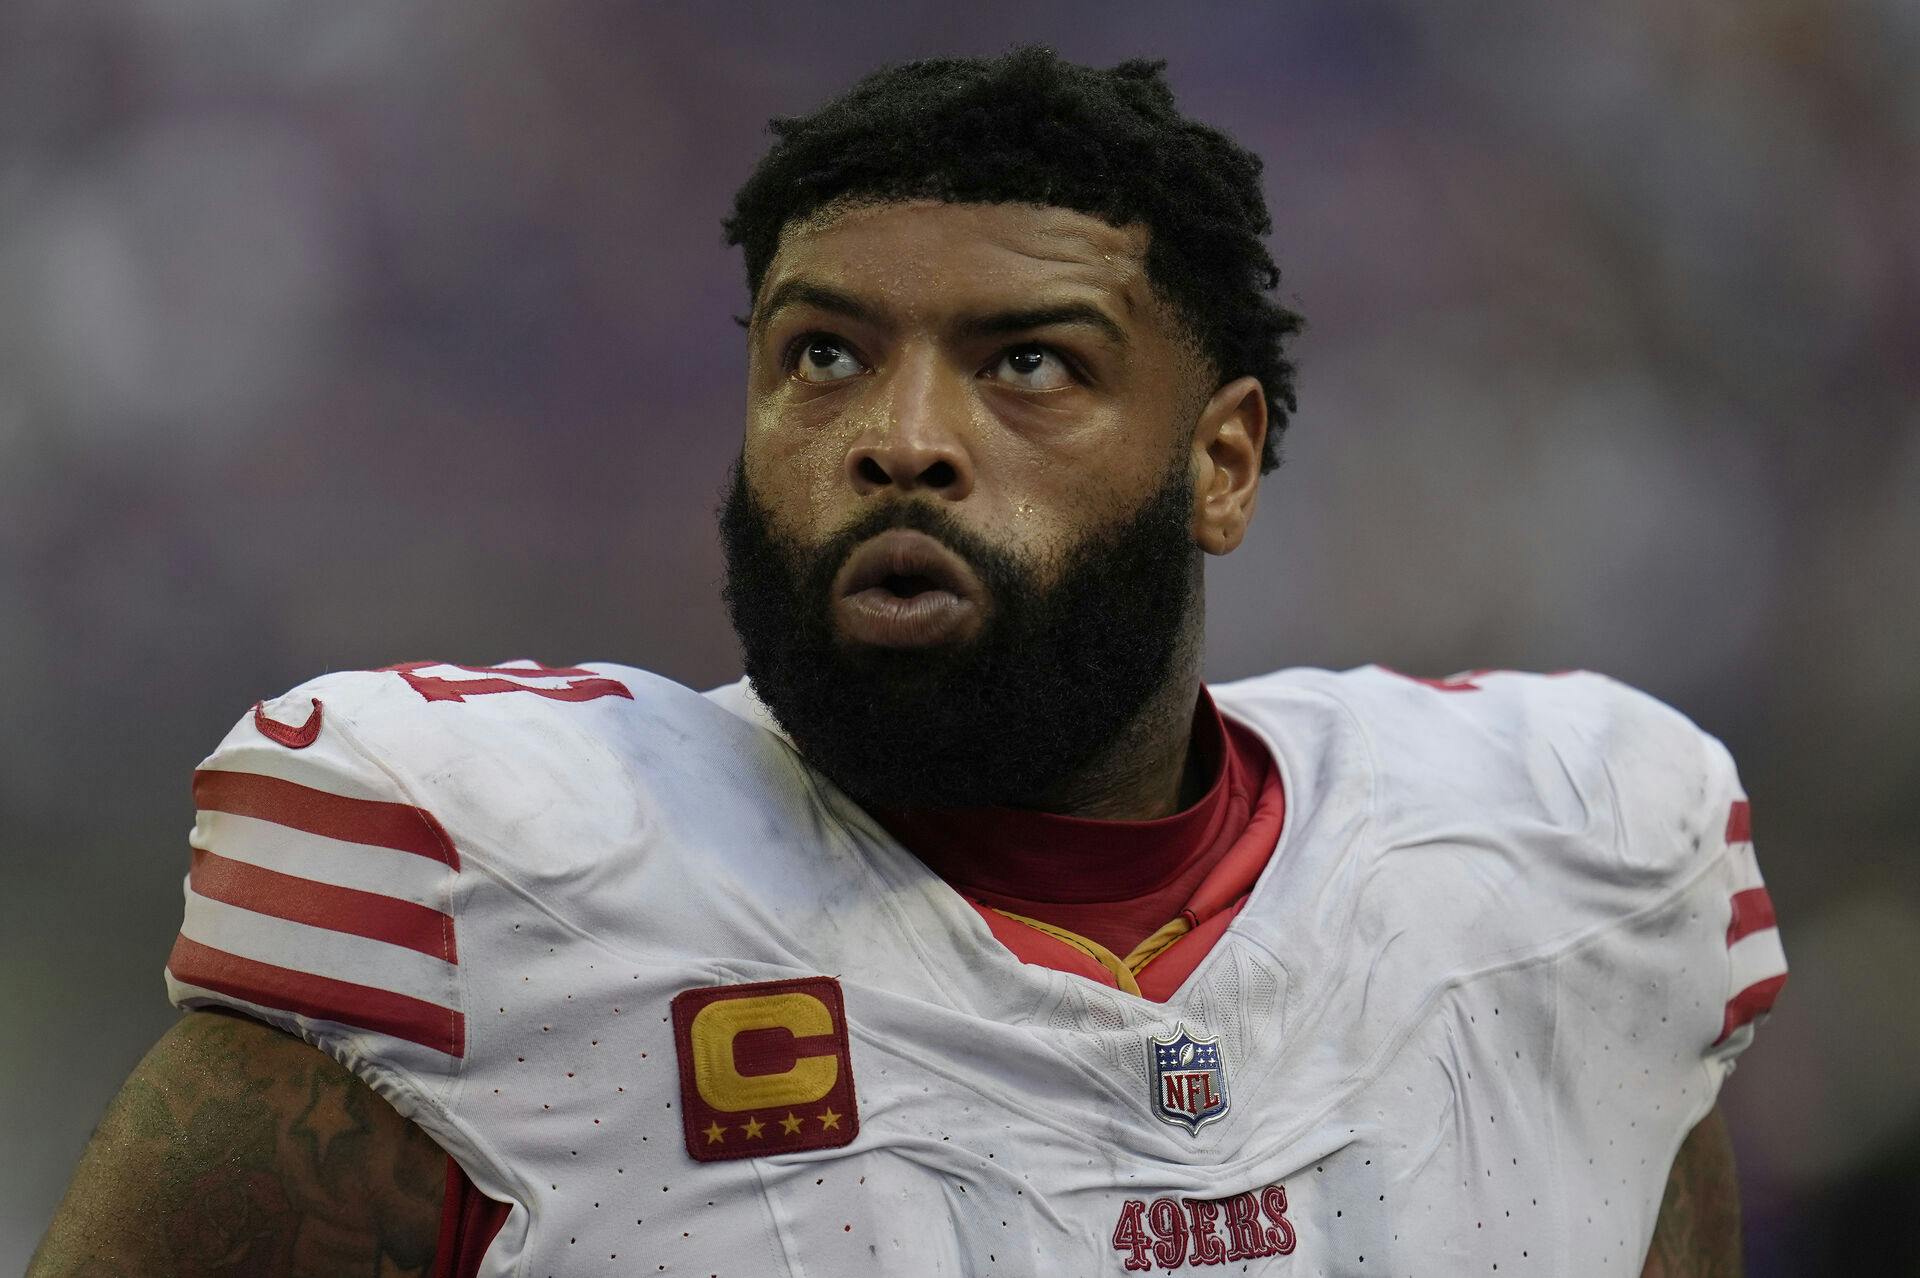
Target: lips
column 904, row 589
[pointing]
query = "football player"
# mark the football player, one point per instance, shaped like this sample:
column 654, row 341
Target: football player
column 970, row 933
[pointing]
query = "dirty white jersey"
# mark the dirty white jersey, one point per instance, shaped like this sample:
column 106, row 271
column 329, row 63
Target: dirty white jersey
column 667, row 992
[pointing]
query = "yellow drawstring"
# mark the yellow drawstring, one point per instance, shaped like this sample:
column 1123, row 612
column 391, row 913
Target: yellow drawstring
column 1124, row 970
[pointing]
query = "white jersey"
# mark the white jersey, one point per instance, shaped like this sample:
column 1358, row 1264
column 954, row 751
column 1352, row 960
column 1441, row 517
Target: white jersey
column 654, row 982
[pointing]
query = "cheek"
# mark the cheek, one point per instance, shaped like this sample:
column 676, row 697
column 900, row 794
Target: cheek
column 796, row 476
column 1052, row 504
column 1085, row 464
column 796, row 453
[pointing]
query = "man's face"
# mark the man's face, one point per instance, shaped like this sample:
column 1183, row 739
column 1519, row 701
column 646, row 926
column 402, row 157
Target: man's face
column 959, row 542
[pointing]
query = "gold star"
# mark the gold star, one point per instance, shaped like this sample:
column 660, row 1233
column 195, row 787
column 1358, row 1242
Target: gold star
column 829, row 1119
column 790, row 1125
column 752, row 1129
column 715, row 1133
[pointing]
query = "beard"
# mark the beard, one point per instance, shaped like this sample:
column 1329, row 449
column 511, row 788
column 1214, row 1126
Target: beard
column 1054, row 676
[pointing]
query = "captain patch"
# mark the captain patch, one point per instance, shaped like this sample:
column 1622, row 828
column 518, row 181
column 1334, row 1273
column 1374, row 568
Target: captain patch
column 764, row 1068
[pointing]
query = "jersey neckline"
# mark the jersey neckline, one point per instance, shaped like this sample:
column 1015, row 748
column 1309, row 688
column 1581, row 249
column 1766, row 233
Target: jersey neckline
column 944, row 933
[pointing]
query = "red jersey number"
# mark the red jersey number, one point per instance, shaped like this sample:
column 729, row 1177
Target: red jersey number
column 447, row 681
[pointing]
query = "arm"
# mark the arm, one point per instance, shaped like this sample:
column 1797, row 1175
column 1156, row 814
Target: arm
column 237, row 1149
column 1698, row 1233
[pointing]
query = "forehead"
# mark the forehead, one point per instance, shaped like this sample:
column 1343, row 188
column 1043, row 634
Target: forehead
column 928, row 256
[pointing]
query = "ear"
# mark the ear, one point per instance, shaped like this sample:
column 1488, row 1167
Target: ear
column 1227, row 443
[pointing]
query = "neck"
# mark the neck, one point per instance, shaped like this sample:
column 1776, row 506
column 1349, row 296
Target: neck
column 1149, row 770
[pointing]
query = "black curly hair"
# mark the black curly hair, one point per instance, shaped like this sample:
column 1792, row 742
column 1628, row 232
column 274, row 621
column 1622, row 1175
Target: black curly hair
column 1027, row 127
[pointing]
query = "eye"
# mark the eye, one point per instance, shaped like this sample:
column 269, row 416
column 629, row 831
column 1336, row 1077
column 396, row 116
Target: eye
column 1031, row 367
column 818, row 358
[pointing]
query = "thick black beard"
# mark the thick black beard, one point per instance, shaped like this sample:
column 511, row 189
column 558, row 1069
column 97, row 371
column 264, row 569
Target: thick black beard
column 1052, row 679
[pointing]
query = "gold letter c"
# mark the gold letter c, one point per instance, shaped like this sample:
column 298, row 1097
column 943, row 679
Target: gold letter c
column 724, row 1087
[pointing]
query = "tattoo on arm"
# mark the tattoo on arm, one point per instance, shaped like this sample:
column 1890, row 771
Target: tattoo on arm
column 236, row 1150
column 1698, row 1233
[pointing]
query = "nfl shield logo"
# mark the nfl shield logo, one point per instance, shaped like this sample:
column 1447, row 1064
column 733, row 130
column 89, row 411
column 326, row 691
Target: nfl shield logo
column 1189, row 1080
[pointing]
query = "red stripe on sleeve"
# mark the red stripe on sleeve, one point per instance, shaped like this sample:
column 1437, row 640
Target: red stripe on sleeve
column 1740, row 822
column 338, row 909
column 332, row 816
column 321, row 997
column 1752, row 912
column 1755, row 1000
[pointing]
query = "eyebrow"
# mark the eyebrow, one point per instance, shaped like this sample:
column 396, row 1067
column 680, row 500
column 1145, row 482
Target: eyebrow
column 1084, row 314
column 818, row 296
column 802, row 292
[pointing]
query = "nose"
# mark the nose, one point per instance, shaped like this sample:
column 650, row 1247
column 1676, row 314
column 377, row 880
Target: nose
column 916, row 443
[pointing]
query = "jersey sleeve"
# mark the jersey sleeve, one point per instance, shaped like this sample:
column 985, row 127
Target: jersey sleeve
column 1706, row 931
column 320, row 899
column 1748, row 948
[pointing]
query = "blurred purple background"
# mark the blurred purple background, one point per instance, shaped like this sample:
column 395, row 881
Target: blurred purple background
column 345, row 335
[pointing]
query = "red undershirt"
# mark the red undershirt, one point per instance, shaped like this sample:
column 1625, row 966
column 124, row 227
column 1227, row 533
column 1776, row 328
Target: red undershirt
column 1113, row 882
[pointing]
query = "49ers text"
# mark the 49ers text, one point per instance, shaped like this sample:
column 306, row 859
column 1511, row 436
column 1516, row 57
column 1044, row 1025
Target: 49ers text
column 1172, row 1232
